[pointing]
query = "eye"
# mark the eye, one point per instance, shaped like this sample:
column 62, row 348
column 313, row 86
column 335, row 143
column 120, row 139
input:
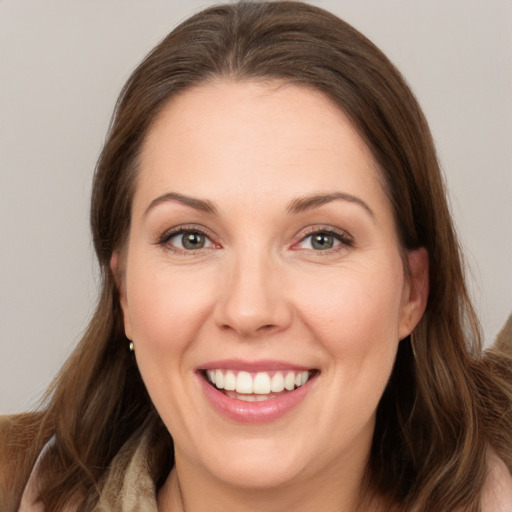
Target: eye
column 324, row 240
column 187, row 240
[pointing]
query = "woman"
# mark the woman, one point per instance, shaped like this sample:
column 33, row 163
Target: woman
column 283, row 320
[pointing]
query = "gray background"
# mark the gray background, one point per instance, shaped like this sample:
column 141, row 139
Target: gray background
column 62, row 65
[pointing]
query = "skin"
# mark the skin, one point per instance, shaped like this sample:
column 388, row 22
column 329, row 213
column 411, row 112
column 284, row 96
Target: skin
column 260, row 290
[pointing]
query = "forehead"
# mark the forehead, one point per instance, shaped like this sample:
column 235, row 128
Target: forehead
column 240, row 137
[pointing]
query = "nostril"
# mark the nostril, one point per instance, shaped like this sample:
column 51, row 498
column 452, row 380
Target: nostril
column 267, row 329
column 261, row 329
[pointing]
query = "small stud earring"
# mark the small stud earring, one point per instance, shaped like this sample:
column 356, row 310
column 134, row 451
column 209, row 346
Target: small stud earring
column 131, row 346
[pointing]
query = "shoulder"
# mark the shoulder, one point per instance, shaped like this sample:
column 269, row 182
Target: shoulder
column 504, row 339
column 497, row 491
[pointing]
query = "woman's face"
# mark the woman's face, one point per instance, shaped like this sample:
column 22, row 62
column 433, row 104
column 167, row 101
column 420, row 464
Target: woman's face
column 263, row 255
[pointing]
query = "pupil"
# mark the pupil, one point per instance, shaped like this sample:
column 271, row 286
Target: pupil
column 193, row 241
column 322, row 242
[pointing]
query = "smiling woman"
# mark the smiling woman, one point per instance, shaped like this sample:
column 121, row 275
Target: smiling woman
column 284, row 322
column 262, row 308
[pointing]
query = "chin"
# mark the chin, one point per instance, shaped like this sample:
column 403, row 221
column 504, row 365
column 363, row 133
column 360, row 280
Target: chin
column 256, row 475
column 257, row 465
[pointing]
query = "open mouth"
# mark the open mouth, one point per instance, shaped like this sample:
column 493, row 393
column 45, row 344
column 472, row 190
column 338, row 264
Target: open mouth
column 257, row 386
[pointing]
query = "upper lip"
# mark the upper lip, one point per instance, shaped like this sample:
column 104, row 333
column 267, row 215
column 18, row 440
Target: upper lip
column 253, row 366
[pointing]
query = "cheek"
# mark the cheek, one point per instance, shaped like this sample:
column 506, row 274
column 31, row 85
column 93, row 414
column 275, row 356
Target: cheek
column 355, row 311
column 166, row 307
column 353, row 315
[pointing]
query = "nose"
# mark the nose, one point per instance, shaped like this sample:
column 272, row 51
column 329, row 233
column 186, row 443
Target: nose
column 253, row 300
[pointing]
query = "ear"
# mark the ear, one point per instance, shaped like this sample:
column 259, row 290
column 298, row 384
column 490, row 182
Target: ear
column 117, row 272
column 416, row 289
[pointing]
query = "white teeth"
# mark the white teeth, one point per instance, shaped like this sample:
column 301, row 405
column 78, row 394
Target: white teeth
column 244, row 383
column 259, row 384
column 277, row 383
column 247, row 398
column 219, row 379
column 230, row 381
column 289, row 381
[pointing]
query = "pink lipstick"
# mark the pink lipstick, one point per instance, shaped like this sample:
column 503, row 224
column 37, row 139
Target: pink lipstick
column 255, row 392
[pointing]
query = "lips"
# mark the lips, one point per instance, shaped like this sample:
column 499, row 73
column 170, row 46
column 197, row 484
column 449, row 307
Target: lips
column 245, row 392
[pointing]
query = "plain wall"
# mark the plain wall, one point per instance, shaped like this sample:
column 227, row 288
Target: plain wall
column 62, row 65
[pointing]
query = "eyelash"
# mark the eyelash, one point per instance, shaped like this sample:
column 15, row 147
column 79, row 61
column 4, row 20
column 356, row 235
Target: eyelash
column 343, row 237
column 168, row 235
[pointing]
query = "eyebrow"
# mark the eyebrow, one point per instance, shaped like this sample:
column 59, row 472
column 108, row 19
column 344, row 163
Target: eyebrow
column 297, row 205
column 198, row 204
column 302, row 204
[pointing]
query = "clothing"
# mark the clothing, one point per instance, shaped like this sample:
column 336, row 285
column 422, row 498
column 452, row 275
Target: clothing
column 128, row 485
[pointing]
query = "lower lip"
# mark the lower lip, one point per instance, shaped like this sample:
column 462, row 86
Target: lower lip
column 254, row 412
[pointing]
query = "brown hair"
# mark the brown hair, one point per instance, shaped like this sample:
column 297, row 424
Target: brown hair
column 433, row 423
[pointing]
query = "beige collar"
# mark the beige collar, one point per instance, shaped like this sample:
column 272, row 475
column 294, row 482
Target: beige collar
column 127, row 486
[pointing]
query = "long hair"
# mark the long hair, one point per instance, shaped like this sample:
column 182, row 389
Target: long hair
column 433, row 424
